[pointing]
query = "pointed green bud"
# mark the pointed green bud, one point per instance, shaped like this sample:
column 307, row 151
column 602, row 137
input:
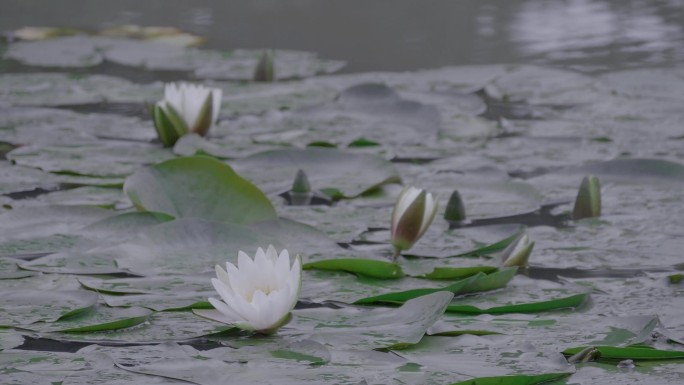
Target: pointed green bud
column 177, row 122
column 518, row 252
column 413, row 213
column 301, row 183
column 300, row 194
column 205, row 117
column 455, row 211
column 265, row 70
column 588, row 202
column 165, row 130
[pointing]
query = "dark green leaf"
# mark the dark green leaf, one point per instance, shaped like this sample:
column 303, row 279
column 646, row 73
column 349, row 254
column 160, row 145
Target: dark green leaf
column 368, row 267
column 532, row 307
column 198, row 187
column 514, row 380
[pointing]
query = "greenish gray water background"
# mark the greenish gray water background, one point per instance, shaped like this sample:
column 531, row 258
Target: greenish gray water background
column 398, row 35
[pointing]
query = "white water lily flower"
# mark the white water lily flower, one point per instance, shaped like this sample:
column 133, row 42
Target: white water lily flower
column 258, row 294
column 413, row 213
column 186, row 108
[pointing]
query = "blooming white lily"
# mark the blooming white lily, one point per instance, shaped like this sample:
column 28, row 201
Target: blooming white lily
column 258, row 294
column 413, row 213
column 186, row 108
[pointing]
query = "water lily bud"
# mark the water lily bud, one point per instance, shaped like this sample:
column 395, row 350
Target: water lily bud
column 455, row 211
column 301, row 183
column 186, row 108
column 265, row 70
column 518, row 252
column 257, row 295
column 413, row 213
column 300, row 194
column 588, row 202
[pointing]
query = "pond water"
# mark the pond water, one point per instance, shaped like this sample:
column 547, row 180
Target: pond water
column 400, row 35
column 108, row 240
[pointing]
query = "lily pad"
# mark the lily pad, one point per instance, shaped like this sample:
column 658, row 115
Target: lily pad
column 522, row 379
column 26, row 307
column 367, row 267
column 334, row 172
column 634, row 353
column 198, row 187
column 533, row 307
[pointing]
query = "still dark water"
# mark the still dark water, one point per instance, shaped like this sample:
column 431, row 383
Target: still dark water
column 397, row 35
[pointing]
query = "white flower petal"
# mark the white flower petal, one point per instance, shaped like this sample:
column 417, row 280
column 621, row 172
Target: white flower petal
column 216, row 107
column 259, row 293
column 226, row 292
column 222, row 275
column 407, row 196
column 226, row 310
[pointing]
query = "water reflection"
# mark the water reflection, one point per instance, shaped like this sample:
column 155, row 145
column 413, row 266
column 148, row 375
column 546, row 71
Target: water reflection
column 571, row 30
column 402, row 34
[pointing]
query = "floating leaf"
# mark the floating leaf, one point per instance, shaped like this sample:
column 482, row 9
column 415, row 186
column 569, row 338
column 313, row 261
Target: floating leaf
column 375, row 328
column 24, row 307
column 532, row 307
column 198, row 187
column 100, row 319
column 368, row 267
column 326, row 169
column 491, row 281
column 522, row 379
column 634, row 353
column 403, row 296
column 450, row 273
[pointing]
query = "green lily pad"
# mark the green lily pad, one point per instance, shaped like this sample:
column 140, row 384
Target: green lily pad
column 102, row 160
column 9, row 269
column 532, row 307
column 25, row 307
column 634, row 353
column 403, row 296
column 328, row 170
column 198, row 187
column 372, row 328
column 60, row 89
column 99, row 319
column 368, row 267
column 523, row 379
column 160, row 326
column 194, row 246
column 451, row 273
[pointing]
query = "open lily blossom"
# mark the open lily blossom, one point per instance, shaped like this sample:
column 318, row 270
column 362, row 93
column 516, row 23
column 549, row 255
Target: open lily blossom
column 413, row 213
column 186, row 108
column 258, row 294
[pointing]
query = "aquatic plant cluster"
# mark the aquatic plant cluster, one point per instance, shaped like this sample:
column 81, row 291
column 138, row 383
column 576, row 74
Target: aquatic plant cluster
column 255, row 218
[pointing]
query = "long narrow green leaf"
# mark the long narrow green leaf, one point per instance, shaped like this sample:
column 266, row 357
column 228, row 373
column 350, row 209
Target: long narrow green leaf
column 634, row 353
column 450, row 273
column 531, row 307
column 492, row 281
column 360, row 266
column 522, row 379
column 491, row 248
column 403, row 296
